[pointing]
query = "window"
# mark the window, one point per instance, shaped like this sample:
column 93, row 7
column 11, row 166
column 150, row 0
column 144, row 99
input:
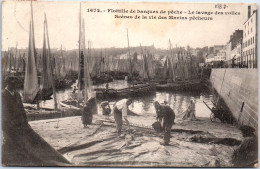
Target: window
column 251, row 30
column 253, row 39
column 251, row 20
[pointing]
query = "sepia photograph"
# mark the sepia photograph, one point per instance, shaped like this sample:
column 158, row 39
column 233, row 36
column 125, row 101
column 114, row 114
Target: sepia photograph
column 129, row 84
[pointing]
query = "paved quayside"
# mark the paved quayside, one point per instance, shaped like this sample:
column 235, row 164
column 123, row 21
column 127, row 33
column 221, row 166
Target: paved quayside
column 199, row 143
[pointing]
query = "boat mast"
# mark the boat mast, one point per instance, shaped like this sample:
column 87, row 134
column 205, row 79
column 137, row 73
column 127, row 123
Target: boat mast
column 48, row 59
column 79, row 68
column 131, row 73
column 145, row 63
column 172, row 74
column 85, row 66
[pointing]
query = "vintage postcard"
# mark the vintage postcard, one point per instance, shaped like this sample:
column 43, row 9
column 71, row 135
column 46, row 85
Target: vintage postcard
column 129, row 84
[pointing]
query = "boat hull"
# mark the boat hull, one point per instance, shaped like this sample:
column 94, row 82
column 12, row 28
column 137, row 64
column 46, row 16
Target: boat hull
column 66, row 110
column 136, row 91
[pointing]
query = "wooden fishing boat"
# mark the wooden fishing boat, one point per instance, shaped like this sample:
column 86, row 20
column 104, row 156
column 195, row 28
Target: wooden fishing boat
column 136, row 91
column 63, row 83
column 103, row 78
column 84, row 92
column 67, row 109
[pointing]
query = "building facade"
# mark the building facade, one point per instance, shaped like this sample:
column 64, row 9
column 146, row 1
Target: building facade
column 221, row 55
column 249, row 49
column 210, row 58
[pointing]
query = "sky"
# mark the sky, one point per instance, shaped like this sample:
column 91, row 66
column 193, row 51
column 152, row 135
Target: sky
column 104, row 30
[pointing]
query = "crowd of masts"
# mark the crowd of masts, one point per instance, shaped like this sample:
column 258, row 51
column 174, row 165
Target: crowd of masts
column 56, row 66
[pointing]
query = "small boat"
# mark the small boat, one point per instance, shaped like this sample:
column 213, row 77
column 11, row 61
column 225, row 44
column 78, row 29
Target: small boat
column 101, row 79
column 138, row 90
column 66, row 109
column 45, row 94
column 63, row 83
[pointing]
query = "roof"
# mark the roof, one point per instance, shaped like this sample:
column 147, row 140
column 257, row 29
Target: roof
column 210, row 55
column 254, row 12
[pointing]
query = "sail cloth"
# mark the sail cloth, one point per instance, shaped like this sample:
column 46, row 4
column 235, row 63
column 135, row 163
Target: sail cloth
column 63, row 72
column 22, row 64
column 89, row 92
column 84, row 80
column 46, row 72
column 31, row 87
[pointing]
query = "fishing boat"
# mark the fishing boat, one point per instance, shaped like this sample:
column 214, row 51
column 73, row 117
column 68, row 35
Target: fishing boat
column 180, row 72
column 65, row 110
column 37, row 151
column 84, row 92
column 31, row 86
column 46, row 74
column 135, row 91
column 98, row 75
column 33, row 92
column 62, row 79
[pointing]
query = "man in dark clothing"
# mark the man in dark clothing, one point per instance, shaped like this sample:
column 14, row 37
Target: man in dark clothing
column 167, row 115
column 88, row 111
column 21, row 145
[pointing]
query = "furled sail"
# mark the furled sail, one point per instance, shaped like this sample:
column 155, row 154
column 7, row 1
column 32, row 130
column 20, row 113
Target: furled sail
column 31, row 87
column 46, row 72
column 84, row 80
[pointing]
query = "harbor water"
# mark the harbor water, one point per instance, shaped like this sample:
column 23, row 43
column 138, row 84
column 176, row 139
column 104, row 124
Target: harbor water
column 178, row 101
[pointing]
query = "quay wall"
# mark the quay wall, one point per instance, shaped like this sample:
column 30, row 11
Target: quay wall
column 239, row 90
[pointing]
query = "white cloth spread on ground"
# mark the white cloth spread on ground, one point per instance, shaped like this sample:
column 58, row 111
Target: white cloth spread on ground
column 122, row 106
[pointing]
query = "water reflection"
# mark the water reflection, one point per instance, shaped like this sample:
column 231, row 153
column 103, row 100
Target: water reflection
column 178, row 101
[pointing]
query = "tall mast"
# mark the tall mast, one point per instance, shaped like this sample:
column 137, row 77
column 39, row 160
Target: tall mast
column 85, row 66
column 171, row 62
column 145, row 63
column 131, row 73
column 79, row 68
column 51, row 69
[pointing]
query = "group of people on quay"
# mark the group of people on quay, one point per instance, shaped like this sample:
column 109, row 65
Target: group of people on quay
column 17, row 145
column 165, row 115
